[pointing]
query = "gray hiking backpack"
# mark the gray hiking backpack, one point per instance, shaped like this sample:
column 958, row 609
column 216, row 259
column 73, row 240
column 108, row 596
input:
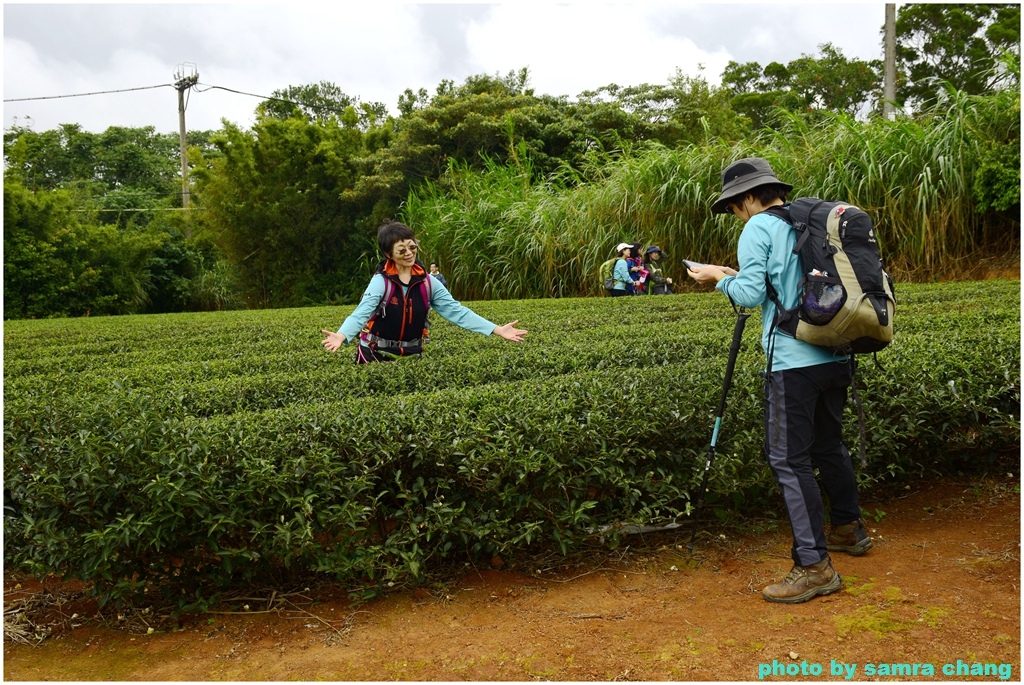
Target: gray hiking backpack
column 846, row 297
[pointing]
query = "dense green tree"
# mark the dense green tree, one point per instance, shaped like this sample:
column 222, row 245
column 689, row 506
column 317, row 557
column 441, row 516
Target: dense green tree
column 320, row 102
column 119, row 172
column 49, row 159
column 119, row 157
column 829, row 82
column 118, row 192
column 685, row 110
column 997, row 181
column 57, row 263
column 958, row 44
column 499, row 119
column 315, row 102
column 272, row 203
column 834, row 83
column 487, row 117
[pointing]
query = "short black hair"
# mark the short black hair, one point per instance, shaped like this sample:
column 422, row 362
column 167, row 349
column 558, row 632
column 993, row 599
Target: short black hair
column 768, row 193
column 390, row 233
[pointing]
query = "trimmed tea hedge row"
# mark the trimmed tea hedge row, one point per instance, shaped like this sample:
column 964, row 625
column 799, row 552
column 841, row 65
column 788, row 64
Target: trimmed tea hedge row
column 258, row 454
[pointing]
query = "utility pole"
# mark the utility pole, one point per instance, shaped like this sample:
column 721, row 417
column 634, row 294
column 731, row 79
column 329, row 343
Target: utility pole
column 185, row 76
column 889, row 88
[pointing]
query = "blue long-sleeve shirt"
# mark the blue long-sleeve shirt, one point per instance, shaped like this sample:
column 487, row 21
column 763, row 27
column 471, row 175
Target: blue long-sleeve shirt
column 621, row 275
column 766, row 248
column 441, row 301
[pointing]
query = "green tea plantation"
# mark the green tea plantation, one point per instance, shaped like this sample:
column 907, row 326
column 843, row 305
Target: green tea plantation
column 182, row 454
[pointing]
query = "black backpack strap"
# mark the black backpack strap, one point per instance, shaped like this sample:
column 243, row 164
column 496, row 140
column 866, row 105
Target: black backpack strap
column 804, row 232
column 780, row 314
column 780, row 211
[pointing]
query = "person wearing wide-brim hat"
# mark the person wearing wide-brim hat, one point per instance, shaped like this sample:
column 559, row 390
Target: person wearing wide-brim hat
column 805, row 391
column 660, row 283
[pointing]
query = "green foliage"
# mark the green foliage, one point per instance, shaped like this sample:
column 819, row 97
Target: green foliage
column 59, row 261
column 121, row 168
column 685, row 111
column 516, row 194
column 93, row 226
column 320, row 103
column 485, row 117
column 955, row 44
column 272, row 203
column 55, row 265
column 184, row 453
column 997, row 184
column 501, row 235
column 493, row 119
column 826, row 83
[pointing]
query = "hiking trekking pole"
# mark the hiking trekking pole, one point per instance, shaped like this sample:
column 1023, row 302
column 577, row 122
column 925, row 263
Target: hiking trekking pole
column 734, row 350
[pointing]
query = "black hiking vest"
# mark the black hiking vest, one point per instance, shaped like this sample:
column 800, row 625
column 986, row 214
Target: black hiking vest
column 400, row 324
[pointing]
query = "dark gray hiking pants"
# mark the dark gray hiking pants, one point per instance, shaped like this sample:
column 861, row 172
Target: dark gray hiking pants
column 804, row 431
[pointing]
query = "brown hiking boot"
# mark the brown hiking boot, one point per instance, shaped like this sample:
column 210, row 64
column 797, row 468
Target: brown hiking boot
column 850, row 538
column 804, row 583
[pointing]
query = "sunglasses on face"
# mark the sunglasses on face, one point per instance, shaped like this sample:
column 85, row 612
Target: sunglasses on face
column 406, row 251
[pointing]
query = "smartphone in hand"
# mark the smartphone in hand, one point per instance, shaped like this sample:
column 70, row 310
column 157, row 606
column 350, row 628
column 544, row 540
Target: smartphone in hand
column 692, row 265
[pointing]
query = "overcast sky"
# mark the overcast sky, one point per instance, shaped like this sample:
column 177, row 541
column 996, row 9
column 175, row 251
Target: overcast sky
column 375, row 50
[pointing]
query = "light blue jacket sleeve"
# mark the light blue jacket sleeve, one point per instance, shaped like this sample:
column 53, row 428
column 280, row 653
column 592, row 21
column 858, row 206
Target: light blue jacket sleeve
column 448, row 307
column 364, row 310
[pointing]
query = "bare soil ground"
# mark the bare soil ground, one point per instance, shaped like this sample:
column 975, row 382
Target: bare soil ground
column 941, row 586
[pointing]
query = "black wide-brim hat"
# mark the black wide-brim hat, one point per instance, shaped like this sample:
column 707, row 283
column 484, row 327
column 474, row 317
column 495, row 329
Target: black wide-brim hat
column 742, row 176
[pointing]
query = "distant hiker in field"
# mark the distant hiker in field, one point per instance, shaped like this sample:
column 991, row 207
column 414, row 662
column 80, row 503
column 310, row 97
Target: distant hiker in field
column 637, row 272
column 620, row 272
column 805, row 392
column 659, row 283
column 391, row 318
column 436, row 273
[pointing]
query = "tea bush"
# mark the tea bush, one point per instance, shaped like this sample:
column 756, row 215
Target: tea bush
column 181, row 454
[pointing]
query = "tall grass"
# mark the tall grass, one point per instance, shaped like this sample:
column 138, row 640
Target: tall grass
column 499, row 234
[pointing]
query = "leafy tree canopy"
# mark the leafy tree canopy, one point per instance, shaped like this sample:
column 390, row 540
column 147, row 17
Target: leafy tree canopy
column 321, row 102
column 58, row 264
column 956, row 43
column 827, row 82
column 485, row 117
column 272, row 202
column 120, row 157
column 685, row 110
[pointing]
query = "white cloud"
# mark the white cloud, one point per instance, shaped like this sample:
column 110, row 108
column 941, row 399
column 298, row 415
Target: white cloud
column 374, row 51
column 569, row 51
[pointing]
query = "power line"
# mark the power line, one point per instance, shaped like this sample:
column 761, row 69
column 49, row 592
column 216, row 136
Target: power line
column 162, row 85
column 231, row 90
column 100, row 92
column 318, row 108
